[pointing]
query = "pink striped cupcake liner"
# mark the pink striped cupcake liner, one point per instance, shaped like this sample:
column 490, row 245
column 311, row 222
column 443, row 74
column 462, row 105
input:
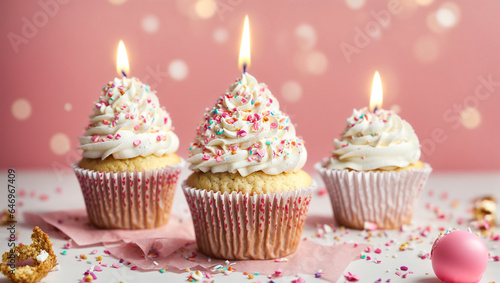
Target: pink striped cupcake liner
column 239, row 226
column 129, row 200
column 381, row 199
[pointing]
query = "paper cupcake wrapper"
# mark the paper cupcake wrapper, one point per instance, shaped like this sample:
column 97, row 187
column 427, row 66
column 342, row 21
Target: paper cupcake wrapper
column 129, row 200
column 384, row 198
column 243, row 226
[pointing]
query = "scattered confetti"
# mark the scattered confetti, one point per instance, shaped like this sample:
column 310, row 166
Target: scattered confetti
column 351, row 277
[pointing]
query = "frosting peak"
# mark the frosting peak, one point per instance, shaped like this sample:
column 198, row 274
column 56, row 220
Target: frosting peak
column 128, row 122
column 375, row 141
column 245, row 132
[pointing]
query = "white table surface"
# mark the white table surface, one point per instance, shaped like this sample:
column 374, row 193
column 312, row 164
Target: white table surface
column 460, row 187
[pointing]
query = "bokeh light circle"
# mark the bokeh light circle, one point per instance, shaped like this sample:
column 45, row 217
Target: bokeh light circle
column 21, row 109
column 306, row 36
column 220, row 35
column 316, row 63
column 291, row 91
column 470, row 118
column 424, row 2
column 150, row 24
column 205, row 9
column 426, row 49
column 396, row 108
column 178, row 70
column 60, row 144
column 117, row 2
column 68, row 106
column 448, row 15
column 355, row 4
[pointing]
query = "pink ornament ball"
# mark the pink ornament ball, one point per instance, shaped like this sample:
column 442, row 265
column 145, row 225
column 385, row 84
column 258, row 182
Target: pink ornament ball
column 459, row 257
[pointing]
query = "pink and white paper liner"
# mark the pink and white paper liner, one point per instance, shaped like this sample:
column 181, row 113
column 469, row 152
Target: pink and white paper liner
column 383, row 198
column 129, row 200
column 243, row 226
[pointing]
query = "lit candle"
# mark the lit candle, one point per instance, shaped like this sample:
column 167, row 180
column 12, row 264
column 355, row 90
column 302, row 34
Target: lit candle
column 244, row 59
column 376, row 97
column 122, row 65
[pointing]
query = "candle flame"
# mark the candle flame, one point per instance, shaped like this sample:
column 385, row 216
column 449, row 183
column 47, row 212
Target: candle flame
column 376, row 97
column 122, row 64
column 244, row 59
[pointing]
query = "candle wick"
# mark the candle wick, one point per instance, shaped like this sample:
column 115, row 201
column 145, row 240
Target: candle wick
column 244, row 67
column 124, row 74
column 375, row 109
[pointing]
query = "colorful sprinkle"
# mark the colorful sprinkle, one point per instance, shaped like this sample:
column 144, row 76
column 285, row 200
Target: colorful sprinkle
column 261, row 152
column 351, row 277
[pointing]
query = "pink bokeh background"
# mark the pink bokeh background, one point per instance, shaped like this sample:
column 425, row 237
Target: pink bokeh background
column 434, row 58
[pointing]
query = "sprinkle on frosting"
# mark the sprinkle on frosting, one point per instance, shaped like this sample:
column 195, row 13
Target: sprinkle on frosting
column 245, row 132
column 375, row 141
column 128, row 122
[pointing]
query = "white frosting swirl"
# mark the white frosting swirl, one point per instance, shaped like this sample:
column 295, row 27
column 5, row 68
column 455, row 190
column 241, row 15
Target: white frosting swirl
column 246, row 132
column 375, row 141
column 128, row 122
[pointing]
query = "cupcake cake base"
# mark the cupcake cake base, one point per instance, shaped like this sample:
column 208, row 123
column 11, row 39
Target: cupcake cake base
column 383, row 198
column 238, row 226
column 129, row 200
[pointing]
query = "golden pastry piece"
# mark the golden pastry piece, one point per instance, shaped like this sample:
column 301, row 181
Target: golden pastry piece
column 40, row 251
column 5, row 217
column 484, row 210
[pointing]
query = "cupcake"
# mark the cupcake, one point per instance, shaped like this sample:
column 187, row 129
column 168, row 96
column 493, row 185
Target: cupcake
column 248, row 195
column 129, row 168
column 374, row 175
